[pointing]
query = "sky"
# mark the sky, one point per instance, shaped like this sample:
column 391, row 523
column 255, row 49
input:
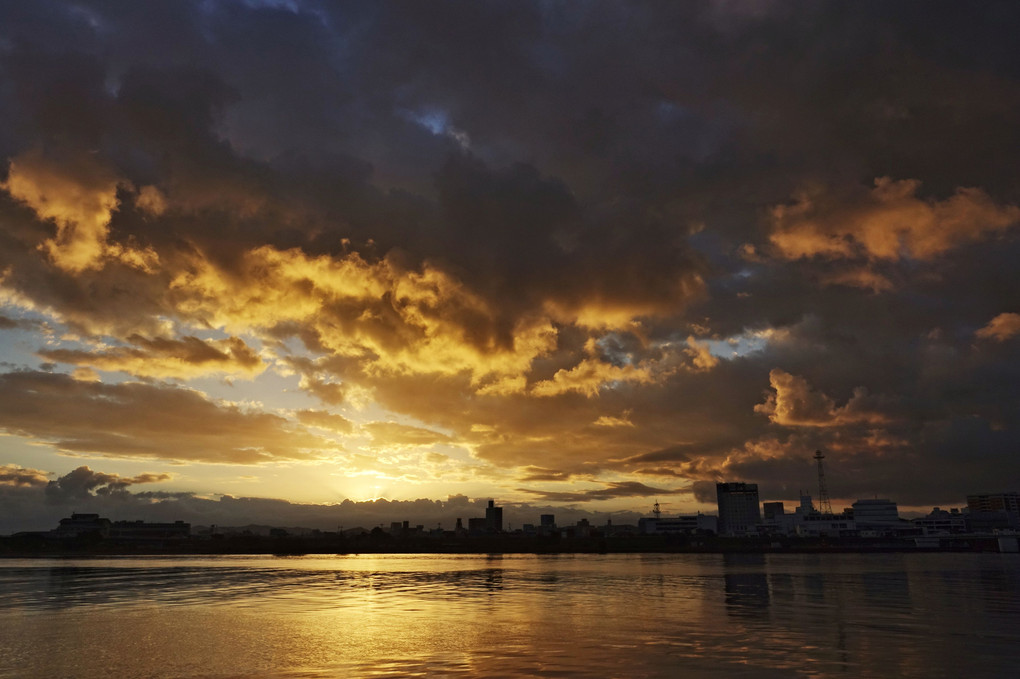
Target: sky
column 322, row 264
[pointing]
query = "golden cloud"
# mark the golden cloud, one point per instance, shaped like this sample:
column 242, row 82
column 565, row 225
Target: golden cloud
column 325, row 420
column 701, row 357
column 78, row 195
column 16, row 475
column 610, row 421
column 388, row 319
column 161, row 357
column 589, row 376
column 394, row 433
column 888, row 222
column 330, row 393
column 1001, row 328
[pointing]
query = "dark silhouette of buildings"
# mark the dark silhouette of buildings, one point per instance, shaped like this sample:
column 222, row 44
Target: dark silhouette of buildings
column 739, row 513
column 493, row 518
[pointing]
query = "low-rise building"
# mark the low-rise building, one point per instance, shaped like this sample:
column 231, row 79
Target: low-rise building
column 678, row 525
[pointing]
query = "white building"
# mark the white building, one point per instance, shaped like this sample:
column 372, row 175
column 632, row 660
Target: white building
column 875, row 511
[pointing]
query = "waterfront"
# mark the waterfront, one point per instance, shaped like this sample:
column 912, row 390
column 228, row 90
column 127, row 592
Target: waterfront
column 708, row 615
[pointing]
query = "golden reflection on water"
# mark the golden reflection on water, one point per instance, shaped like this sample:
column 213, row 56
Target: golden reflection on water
column 513, row 616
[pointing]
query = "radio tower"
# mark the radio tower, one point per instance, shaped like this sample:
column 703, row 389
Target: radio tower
column 655, row 511
column 824, row 506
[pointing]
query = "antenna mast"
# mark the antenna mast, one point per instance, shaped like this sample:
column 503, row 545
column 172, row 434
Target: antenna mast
column 824, row 506
column 655, row 510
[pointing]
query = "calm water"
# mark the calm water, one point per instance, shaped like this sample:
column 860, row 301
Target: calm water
column 890, row 615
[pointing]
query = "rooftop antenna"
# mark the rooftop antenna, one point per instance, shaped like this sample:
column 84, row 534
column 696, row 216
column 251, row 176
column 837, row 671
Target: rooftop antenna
column 655, row 510
column 824, row 506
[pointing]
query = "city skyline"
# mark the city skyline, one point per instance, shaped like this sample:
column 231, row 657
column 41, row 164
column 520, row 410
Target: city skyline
column 267, row 258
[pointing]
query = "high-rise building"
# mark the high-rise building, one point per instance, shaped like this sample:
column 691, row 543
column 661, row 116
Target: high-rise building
column 739, row 513
column 493, row 518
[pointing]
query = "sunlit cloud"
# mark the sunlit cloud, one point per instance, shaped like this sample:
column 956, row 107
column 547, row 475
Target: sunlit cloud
column 161, row 357
column 16, row 475
column 79, row 196
column 796, row 404
column 610, row 421
column 325, row 420
column 589, row 377
column 889, row 222
column 1001, row 328
column 394, row 433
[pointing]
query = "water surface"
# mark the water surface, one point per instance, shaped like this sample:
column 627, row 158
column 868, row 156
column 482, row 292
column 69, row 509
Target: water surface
column 866, row 615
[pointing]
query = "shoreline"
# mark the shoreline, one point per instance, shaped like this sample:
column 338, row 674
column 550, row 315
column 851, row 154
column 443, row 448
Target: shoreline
column 13, row 548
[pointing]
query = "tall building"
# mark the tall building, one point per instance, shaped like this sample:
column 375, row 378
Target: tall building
column 739, row 513
column 493, row 518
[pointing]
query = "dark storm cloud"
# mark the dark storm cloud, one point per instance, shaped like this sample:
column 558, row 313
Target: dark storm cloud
column 82, row 483
column 611, row 491
column 41, row 506
column 549, row 208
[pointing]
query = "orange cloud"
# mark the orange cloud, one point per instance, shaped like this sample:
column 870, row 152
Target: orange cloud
column 796, row 404
column 1001, row 328
column 886, row 223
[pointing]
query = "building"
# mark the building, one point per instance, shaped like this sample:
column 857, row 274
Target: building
column 773, row 509
column 739, row 512
column 994, row 502
column 875, row 512
column 92, row 525
column 678, row 525
column 942, row 522
column 140, row 531
column 817, row 525
column 80, row 525
column 493, row 518
column 993, row 511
